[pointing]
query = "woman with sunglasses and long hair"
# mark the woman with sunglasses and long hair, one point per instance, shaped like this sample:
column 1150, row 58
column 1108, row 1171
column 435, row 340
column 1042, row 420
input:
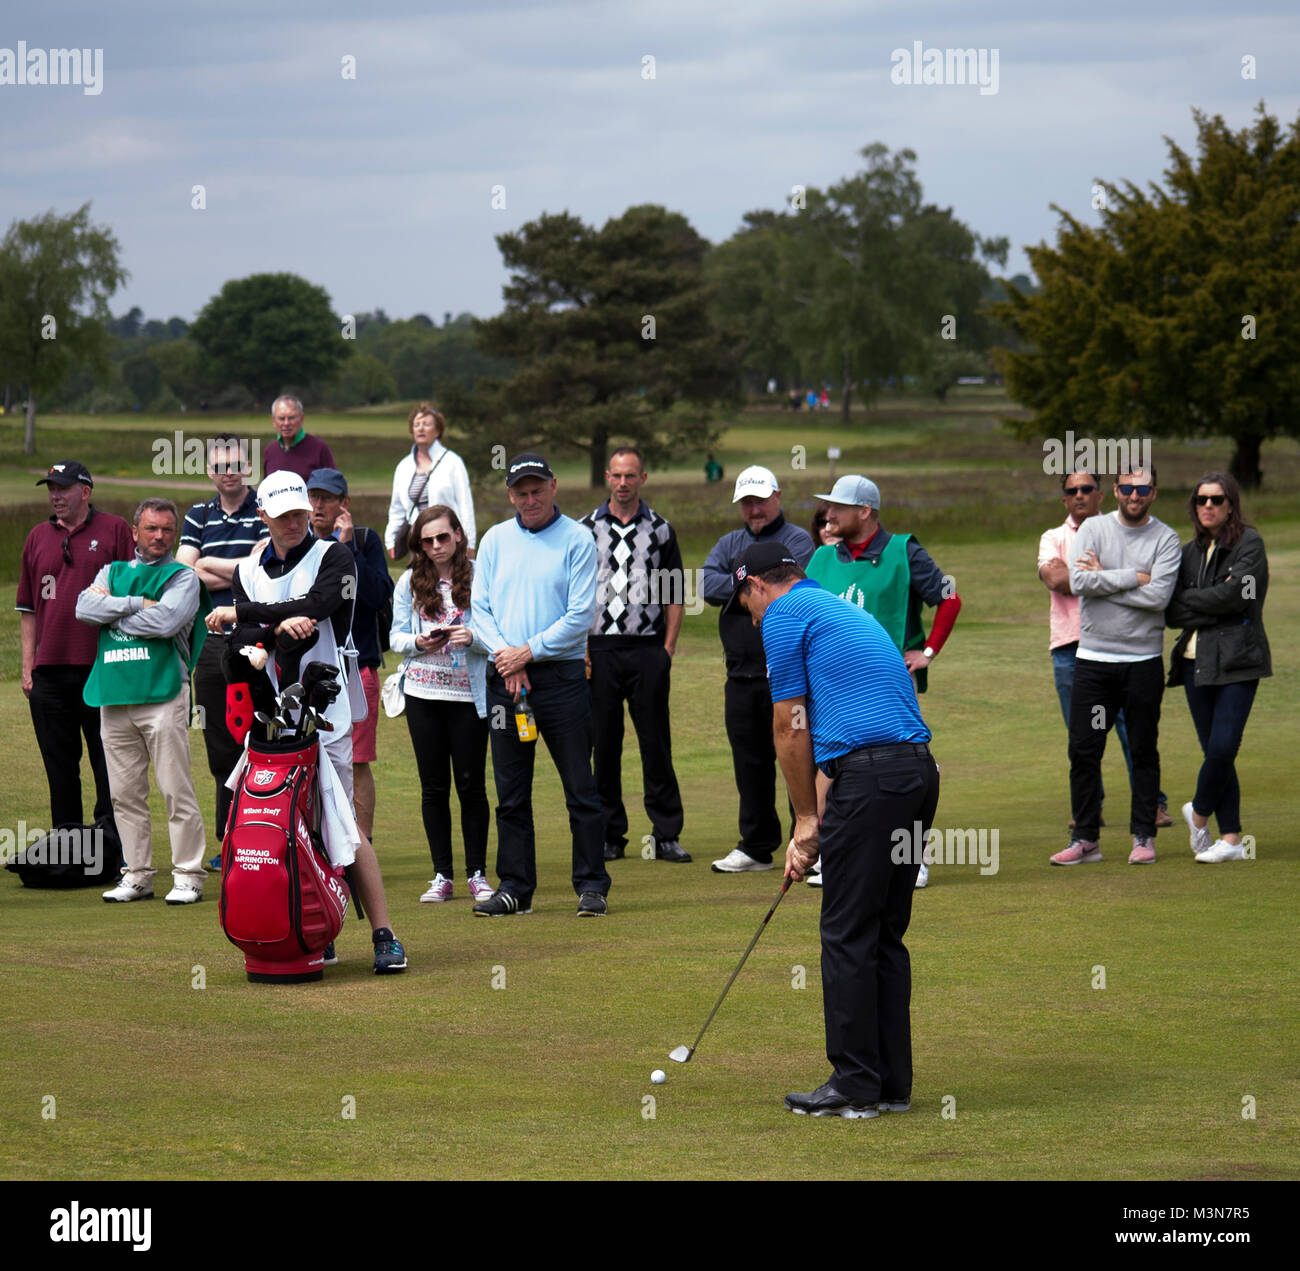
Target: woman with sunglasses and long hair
column 446, row 695
column 1221, row 655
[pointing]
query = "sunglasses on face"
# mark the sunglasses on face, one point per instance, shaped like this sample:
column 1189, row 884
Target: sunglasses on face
column 1140, row 490
column 429, row 539
column 1079, row 489
column 1217, row 499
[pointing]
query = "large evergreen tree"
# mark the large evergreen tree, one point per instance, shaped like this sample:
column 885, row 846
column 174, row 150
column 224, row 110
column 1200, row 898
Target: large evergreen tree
column 609, row 330
column 1180, row 315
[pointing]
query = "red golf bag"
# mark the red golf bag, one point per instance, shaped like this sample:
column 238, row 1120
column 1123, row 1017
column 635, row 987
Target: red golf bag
column 281, row 900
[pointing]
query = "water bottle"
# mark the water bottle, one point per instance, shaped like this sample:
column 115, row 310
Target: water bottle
column 525, row 722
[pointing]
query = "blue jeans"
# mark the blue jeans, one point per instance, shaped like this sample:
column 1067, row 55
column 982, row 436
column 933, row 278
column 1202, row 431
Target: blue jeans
column 561, row 703
column 1063, row 670
column 1219, row 713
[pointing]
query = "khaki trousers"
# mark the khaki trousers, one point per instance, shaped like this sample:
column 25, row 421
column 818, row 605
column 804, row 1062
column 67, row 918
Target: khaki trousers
column 133, row 737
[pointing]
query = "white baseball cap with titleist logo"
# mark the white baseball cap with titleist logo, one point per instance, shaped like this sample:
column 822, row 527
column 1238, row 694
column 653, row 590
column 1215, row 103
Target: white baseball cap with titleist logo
column 282, row 492
column 755, row 482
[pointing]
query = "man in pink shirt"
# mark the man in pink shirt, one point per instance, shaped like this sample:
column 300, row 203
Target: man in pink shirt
column 1082, row 495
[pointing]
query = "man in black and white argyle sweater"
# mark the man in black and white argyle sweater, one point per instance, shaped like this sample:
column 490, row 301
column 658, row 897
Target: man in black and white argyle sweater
column 640, row 589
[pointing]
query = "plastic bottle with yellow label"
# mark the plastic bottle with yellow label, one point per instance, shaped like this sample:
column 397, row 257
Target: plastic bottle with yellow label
column 525, row 721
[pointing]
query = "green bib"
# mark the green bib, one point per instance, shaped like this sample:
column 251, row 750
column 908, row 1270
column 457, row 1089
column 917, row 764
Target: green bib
column 881, row 587
column 131, row 670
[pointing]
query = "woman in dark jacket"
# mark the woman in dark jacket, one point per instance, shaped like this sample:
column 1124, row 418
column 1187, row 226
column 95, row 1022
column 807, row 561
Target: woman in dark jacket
column 1222, row 653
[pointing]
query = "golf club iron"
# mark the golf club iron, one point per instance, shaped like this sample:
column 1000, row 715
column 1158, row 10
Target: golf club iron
column 683, row 1056
column 269, row 723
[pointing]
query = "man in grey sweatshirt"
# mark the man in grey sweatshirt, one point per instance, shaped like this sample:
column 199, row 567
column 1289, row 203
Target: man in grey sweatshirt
column 1124, row 572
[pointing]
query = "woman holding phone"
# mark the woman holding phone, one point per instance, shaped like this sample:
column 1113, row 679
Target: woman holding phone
column 445, row 684
column 1221, row 655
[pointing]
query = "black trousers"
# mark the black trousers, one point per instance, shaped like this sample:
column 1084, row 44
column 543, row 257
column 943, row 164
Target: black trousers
column 443, row 732
column 866, row 907
column 1101, row 690
column 561, row 703
column 639, row 677
column 748, row 704
column 223, row 750
column 60, row 718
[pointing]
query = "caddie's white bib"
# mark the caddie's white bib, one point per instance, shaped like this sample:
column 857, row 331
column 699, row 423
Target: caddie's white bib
column 293, row 585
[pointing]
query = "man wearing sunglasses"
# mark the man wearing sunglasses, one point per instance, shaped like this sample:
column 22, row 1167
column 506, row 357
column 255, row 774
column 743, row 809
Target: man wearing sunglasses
column 1081, row 492
column 1124, row 569
column 60, row 559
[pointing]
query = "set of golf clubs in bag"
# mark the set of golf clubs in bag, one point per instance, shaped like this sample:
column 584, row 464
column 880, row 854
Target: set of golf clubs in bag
column 310, row 698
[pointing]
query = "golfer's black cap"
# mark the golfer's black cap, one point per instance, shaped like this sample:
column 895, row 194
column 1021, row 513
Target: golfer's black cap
column 757, row 558
column 68, row 472
column 528, row 465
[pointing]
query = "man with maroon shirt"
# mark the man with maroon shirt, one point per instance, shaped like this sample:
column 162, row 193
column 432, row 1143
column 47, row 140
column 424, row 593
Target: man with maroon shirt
column 294, row 449
column 60, row 559
column 889, row 575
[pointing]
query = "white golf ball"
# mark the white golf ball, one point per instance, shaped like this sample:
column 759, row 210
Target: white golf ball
column 658, row 1076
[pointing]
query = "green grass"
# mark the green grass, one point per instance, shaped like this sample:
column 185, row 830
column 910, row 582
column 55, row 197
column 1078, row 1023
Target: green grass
column 547, row 1077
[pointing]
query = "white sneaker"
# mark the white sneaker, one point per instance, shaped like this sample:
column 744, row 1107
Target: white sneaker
column 1221, row 851
column 184, row 893
column 814, row 876
column 439, row 889
column 738, row 862
column 1201, row 841
column 127, row 890
column 923, row 876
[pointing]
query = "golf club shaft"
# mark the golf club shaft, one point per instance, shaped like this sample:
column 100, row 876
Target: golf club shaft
column 766, row 918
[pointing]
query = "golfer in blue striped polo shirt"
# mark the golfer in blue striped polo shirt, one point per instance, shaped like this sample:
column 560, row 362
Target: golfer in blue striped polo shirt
column 843, row 702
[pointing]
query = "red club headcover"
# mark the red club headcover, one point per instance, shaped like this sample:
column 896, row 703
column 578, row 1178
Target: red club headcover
column 239, row 711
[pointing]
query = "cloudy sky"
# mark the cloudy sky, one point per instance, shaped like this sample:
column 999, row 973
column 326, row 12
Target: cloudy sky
column 381, row 187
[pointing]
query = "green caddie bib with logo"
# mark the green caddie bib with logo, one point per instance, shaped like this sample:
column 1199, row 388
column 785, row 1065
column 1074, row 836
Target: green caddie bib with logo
column 882, row 587
column 132, row 670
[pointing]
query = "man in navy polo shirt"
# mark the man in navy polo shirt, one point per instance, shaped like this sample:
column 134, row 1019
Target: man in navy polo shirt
column 216, row 536
column 865, row 732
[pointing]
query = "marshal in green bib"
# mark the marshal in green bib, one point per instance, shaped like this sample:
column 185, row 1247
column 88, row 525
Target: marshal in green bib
column 882, row 587
column 131, row 670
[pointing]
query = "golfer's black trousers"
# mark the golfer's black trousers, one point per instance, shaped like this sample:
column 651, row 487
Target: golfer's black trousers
column 878, row 814
column 223, row 750
column 639, row 676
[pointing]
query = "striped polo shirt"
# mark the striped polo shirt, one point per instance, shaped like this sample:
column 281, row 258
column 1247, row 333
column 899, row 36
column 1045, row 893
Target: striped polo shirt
column 839, row 658
column 227, row 536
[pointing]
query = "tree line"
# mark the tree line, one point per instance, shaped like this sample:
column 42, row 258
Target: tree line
column 1169, row 319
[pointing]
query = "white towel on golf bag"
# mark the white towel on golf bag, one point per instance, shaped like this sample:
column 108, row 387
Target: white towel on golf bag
column 338, row 823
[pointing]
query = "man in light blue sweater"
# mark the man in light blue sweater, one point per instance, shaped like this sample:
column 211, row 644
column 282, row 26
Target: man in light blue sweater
column 533, row 600
column 1124, row 572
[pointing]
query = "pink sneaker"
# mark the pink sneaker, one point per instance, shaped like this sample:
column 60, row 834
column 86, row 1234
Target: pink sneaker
column 439, row 889
column 479, row 887
column 1143, row 853
column 1080, row 852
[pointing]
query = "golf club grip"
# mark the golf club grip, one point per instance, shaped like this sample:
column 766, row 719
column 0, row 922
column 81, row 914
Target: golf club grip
column 785, row 887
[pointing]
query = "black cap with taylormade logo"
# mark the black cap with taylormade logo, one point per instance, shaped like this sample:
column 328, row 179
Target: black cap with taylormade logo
column 758, row 558
column 528, row 465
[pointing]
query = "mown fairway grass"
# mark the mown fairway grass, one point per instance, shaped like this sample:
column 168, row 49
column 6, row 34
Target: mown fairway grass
column 547, row 1077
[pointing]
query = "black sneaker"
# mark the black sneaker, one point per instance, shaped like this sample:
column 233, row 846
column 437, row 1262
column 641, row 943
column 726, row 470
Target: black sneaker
column 390, row 957
column 591, row 904
column 614, row 851
column 499, row 905
column 826, row 1101
column 672, row 851
column 331, row 958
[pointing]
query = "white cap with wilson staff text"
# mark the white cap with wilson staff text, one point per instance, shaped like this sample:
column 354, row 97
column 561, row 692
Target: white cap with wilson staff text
column 282, row 492
column 755, row 482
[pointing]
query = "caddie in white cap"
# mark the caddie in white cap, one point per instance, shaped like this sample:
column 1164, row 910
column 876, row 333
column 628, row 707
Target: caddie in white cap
column 748, row 702
column 282, row 492
column 889, row 575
